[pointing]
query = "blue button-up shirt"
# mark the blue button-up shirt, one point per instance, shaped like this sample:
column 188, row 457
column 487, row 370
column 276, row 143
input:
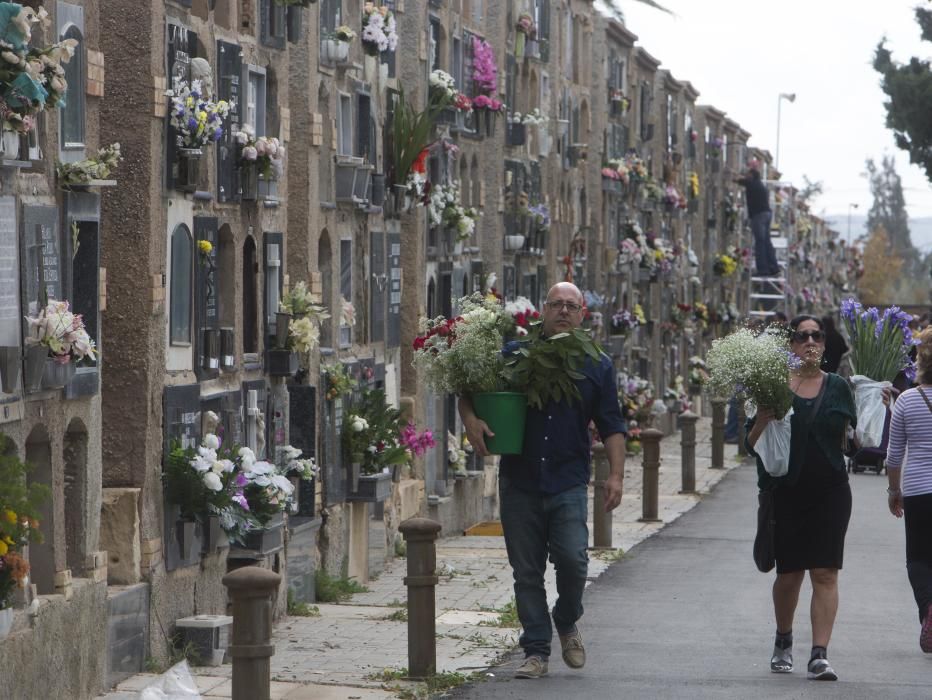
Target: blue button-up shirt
column 556, row 453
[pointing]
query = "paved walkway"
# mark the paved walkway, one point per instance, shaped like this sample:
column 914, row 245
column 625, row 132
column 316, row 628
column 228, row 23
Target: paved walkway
column 346, row 651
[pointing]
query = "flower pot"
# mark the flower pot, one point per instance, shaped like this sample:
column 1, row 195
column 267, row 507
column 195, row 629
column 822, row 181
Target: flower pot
column 215, row 537
column 187, row 167
column 10, row 142
column 371, row 488
column 269, row 538
column 335, row 51
column 11, row 364
column 490, row 122
column 353, row 479
column 36, row 356
column 57, row 374
column 517, row 134
column 282, row 363
column 248, row 183
column 282, row 328
column 504, row 413
column 6, row 621
column 514, row 242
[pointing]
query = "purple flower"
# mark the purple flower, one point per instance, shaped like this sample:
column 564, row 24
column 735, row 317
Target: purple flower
column 240, row 499
column 850, row 309
column 241, row 479
column 910, row 371
column 192, row 123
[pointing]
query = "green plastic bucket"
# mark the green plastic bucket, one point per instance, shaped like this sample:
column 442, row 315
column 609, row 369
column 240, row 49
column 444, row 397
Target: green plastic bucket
column 504, row 413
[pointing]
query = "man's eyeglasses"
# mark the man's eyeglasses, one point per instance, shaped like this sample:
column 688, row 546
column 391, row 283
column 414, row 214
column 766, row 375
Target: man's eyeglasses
column 803, row 336
column 568, row 305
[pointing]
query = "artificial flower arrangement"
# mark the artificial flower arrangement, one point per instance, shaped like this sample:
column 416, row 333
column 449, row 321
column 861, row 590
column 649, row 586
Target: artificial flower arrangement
column 715, row 146
column 306, row 317
column 676, row 397
column 693, row 184
column 611, row 173
column 445, row 209
column 266, row 153
column 379, row 31
column 31, row 79
column 462, row 103
column 97, row 168
column 343, row 33
column 524, row 314
column 629, row 252
column 727, row 312
column 673, row 198
column 372, row 434
column 347, row 313
column 484, row 102
column 623, row 322
column 532, row 118
column 411, row 133
column 880, row 348
column 698, row 371
column 339, row 381
column 198, row 119
column 228, row 482
column 724, row 265
column 442, row 82
column 540, row 218
column 636, row 397
column 484, row 68
column 20, row 506
column 62, row 332
column 456, row 455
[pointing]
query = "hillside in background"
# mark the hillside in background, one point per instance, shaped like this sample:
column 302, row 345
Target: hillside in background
column 920, row 229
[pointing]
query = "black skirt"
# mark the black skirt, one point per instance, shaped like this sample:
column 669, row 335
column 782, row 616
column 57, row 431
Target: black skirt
column 812, row 516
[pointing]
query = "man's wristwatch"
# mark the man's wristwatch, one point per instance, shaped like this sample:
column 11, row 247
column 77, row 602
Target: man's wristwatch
column 893, row 492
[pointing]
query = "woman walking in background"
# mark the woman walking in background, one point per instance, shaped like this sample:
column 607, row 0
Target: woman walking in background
column 910, row 487
column 812, row 503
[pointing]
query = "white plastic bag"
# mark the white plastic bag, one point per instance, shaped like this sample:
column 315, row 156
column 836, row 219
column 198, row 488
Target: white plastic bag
column 773, row 446
column 176, row 683
column 868, row 399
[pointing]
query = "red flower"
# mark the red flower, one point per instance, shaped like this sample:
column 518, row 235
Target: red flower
column 419, row 343
column 420, row 163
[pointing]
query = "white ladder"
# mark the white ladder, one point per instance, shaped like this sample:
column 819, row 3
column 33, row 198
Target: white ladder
column 769, row 294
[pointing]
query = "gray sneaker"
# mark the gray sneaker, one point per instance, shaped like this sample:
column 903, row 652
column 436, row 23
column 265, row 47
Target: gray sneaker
column 819, row 670
column 533, row 667
column 574, row 653
column 782, row 660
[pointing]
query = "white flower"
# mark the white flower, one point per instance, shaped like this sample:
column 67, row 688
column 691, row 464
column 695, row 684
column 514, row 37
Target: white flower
column 250, row 153
column 200, row 465
column 212, row 481
column 260, row 468
column 227, row 465
column 282, row 484
column 246, row 453
column 359, row 424
column 211, row 441
column 207, row 453
column 217, row 467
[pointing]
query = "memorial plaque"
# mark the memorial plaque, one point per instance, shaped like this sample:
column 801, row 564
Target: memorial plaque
column 9, row 275
column 206, row 292
column 393, row 331
column 229, row 70
column 302, row 419
column 41, row 277
column 182, row 418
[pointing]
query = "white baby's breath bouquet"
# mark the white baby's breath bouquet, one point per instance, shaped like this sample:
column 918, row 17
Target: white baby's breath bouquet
column 753, row 367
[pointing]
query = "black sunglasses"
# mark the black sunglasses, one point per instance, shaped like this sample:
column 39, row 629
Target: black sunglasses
column 803, row 336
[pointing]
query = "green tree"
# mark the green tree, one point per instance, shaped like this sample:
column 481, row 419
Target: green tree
column 909, row 87
column 889, row 208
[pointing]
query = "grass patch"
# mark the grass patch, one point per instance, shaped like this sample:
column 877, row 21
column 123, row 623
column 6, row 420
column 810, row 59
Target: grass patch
column 297, row 609
column 507, row 616
column 422, row 688
column 335, row 590
column 401, row 548
column 609, row 555
column 400, row 615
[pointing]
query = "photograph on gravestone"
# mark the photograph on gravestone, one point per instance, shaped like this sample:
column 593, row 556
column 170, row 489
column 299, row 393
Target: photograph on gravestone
column 229, row 77
column 393, row 334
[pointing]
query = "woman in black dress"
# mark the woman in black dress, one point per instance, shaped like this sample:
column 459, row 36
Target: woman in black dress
column 812, row 503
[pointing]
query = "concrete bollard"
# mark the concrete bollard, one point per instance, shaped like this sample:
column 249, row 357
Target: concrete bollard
column 688, row 446
column 742, row 416
column 650, row 495
column 601, row 521
column 718, row 433
column 420, row 536
column 251, row 649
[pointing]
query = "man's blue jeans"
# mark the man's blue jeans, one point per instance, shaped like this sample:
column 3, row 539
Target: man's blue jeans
column 536, row 525
column 765, row 256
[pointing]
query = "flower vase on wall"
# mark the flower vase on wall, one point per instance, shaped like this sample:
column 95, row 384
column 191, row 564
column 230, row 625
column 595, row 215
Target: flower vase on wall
column 11, row 143
column 57, row 374
column 188, row 167
column 36, row 356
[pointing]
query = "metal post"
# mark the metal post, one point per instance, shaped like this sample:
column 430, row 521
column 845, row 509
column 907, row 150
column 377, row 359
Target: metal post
column 251, row 649
column 601, row 521
column 688, row 446
column 718, row 433
column 421, row 539
column 742, row 450
column 650, row 439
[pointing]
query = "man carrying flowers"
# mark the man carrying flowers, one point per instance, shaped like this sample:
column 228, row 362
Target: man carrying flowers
column 543, row 490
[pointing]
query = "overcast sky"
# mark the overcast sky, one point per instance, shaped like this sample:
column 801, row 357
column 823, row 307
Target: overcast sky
column 742, row 54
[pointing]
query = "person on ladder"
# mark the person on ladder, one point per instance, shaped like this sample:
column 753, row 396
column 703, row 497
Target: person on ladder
column 759, row 213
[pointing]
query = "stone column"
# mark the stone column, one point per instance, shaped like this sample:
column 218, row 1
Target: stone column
column 650, row 439
column 601, row 521
column 688, row 446
column 718, row 433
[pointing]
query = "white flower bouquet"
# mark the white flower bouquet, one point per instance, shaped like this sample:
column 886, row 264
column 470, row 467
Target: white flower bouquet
column 443, row 82
column 97, row 168
column 198, row 119
column 445, row 209
column 62, row 332
column 379, row 31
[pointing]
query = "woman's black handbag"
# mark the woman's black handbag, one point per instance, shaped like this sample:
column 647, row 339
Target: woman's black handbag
column 765, row 556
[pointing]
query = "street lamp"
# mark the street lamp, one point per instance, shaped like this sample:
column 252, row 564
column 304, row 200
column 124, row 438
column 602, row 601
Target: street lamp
column 850, row 207
column 789, row 97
